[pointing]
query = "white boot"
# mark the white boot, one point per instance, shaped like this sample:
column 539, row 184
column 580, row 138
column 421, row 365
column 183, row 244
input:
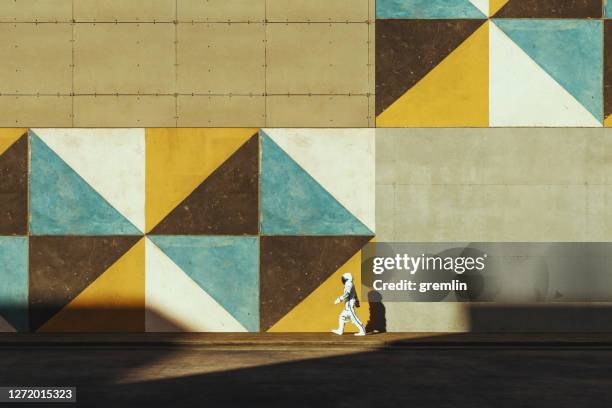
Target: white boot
column 360, row 333
column 339, row 332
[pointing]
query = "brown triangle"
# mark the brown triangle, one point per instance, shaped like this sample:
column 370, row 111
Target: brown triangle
column 292, row 267
column 608, row 68
column 226, row 203
column 61, row 267
column 14, row 188
column 406, row 50
column 551, row 9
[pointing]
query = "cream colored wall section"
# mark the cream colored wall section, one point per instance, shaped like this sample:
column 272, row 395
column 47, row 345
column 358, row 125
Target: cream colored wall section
column 466, row 185
column 495, row 184
column 248, row 63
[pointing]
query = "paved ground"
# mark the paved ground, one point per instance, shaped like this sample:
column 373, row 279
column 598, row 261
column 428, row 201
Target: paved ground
column 318, row 370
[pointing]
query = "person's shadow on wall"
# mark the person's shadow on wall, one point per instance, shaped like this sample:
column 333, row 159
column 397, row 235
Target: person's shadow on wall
column 378, row 314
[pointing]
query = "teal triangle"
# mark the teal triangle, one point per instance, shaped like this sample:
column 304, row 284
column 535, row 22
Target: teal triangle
column 570, row 51
column 14, row 287
column 62, row 203
column 427, row 9
column 293, row 203
column 227, row 268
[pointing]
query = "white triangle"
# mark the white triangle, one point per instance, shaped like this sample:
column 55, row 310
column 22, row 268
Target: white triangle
column 174, row 302
column 482, row 5
column 112, row 161
column 523, row 94
column 5, row 327
column 341, row 160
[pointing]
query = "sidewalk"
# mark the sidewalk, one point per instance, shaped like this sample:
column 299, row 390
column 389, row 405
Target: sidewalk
column 308, row 340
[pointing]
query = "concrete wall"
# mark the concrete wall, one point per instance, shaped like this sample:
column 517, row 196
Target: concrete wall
column 493, row 185
column 166, row 63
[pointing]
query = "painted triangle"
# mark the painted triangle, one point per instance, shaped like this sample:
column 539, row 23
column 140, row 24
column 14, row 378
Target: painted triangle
column 550, row 9
column 453, row 94
column 522, row 94
column 351, row 181
column 318, row 304
column 569, row 51
column 14, row 281
column 225, row 267
column 293, row 202
column 14, row 188
column 225, row 203
column 114, row 302
column 62, row 203
column 406, row 50
column 426, row 9
column 62, row 267
column 111, row 161
column 175, row 302
column 292, row 267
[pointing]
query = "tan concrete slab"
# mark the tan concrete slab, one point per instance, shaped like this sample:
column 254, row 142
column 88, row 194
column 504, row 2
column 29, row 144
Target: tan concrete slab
column 317, row 58
column 124, row 111
column 533, row 213
column 430, row 316
column 439, row 213
column 599, row 213
column 36, row 10
column 317, row 111
column 221, row 111
column 221, row 58
column 121, row 10
column 124, row 58
column 36, row 58
column 318, row 10
column 221, row 10
column 494, row 156
column 385, row 212
column 33, row 111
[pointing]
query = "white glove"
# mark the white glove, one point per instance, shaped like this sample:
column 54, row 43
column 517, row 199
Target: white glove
column 337, row 301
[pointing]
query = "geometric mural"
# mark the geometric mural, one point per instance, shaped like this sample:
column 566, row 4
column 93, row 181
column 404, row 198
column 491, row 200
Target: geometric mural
column 460, row 63
column 132, row 230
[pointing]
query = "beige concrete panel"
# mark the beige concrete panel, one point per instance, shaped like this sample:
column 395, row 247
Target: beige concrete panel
column 605, row 160
column 124, row 111
column 541, row 156
column 317, row 111
column 495, row 156
column 36, row 10
column 221, row 111
column 221, row 58
column 436, row 156
column 222, row 10
column 317, row 58
column 35, row 111
column 385, row 199
column 122, row 10
column 427, row 317
column 36, row 58
column 318, row 10
column 386, row 157
column 534, row 213
column 124, row 58
column 439, row 213
column 599, row 213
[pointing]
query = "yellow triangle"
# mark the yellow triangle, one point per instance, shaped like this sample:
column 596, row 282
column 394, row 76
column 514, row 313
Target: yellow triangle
column 8, row 136
column 455, row 93
column 178, row 160
column 317, row 313
column 495, row 6
column 112, row 303
column 608, row 121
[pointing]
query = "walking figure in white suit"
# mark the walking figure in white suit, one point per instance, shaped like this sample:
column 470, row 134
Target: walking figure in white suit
column 349, row 297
